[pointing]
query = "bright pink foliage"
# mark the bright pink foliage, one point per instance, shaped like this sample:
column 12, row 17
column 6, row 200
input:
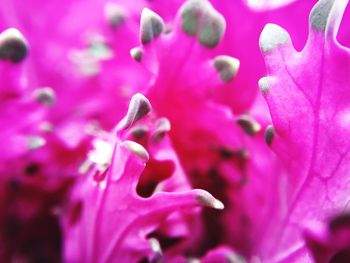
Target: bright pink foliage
column 91, row 172
column 307, row 93
column 95, row 216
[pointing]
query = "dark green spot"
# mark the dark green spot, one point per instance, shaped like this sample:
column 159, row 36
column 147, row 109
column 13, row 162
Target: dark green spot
column 189, row 22
column 13, row 46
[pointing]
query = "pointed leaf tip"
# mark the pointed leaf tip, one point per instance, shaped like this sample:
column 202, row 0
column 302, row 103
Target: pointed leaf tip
column 273, row 36
column 248, row 124
column 45, row 96
column 156, row 249
column 320, row 13
column 114, row 14
column 139, row 131
column 163, row 126
column 35, row 142
column 264, row 84
column 152, row 25
column 269, row 134
column 200, row 19
column 206, row 199
column 327, row 16
column 137, row 149
column 139, row 107
column 136, row 54
column 13, row 45
column 227, row 67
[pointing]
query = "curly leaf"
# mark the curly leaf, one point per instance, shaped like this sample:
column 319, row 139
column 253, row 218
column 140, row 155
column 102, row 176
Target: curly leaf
column 308, row 96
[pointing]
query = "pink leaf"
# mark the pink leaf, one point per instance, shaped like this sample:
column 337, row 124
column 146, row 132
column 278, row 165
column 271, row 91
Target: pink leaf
column 308, row 96
column 107, row 218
